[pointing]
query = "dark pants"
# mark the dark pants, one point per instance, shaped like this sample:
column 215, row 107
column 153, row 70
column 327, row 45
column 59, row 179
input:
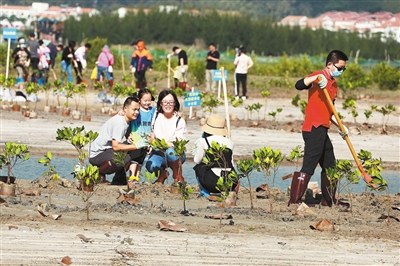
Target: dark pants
column 241, row 78
column 141, row 78
column 35, row 69
column 318, row 150
column 78, row 72
column 107, row 155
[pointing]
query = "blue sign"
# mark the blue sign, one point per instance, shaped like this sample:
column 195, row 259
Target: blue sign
column 9, row 33
column 217, row 75
column 192, row 98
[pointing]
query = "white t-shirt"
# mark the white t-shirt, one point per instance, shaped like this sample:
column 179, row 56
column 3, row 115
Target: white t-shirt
column 115, row 128
column 243, row 63
column 201, row 146
column 167, row 129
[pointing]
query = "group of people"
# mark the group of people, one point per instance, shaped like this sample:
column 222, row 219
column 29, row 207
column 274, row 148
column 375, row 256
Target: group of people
column 39, row 55
column 139, row 124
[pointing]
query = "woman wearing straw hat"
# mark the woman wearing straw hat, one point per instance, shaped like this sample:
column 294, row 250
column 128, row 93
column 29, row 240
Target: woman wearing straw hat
column 208, row 174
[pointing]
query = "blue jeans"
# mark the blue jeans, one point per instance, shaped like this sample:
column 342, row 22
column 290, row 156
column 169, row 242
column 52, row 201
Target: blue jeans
column 100, row 70
column 66, row 69
column 156, row 160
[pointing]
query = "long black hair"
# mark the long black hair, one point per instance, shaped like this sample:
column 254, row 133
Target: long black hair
column 162, row 95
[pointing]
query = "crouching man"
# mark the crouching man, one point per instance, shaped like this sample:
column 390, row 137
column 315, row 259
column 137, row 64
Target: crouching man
column 110, row 140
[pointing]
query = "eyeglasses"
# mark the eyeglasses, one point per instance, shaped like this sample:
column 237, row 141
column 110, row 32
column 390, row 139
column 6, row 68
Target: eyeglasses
column 340, row 68
column 167, row 103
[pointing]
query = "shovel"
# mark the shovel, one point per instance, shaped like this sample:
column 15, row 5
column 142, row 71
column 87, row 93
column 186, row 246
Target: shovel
column 365, row 176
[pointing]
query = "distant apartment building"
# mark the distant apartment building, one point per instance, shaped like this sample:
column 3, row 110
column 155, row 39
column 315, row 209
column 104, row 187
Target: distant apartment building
column 366, row 24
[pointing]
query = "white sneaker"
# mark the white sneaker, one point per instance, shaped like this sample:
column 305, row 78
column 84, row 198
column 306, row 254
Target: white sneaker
column 244, row 98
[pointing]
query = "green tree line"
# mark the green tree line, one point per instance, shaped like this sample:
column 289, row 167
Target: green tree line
column 262, row 36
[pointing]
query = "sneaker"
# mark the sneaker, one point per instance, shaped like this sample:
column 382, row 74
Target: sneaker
column 244, row 98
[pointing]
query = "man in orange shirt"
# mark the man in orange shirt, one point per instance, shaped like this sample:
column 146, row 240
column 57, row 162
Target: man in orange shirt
column 318, row 115
column 141, row 61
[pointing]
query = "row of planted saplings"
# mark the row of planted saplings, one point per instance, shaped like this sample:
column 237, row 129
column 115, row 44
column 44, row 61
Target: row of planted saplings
column 264, row 160
column 54, row 92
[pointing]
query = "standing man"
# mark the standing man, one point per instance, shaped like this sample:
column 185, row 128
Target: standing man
column 68, row 58
column 242, row 64
column 180, row 71
column 110, row 140
column 318, row 147
column 33, row 47
column 53, row 54
column 140, row 62
column 80, row 57
column 212, row 60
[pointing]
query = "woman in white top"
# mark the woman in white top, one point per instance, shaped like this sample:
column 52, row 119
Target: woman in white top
column 167, row 125
column 242, row 63
column 208, row 174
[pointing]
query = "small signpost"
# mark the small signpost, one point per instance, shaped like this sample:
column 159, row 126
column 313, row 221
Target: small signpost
column 9, row 34
column 190, row 99
column 217, row 76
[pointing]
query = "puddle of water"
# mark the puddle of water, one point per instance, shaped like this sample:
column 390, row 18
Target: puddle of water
column 31, row 169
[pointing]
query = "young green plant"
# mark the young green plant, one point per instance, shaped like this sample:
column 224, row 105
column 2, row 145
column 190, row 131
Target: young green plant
column 185, row 191
column 245, row 167
column 50, row 175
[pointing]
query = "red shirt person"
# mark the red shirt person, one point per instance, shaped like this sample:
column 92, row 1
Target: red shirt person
column 318, row 116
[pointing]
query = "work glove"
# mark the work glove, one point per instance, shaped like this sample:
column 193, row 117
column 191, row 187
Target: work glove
column 84, row 64
column 133, row 70
column 142, row 143
column 323, row 82
column 169, row 56
column 182, row 70
column 110, row 69
column 70, row 56
column 343, row 134
column 75, row 64
column 27, row 63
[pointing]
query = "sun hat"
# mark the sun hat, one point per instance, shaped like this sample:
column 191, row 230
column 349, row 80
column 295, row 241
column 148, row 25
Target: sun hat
column 215, row 125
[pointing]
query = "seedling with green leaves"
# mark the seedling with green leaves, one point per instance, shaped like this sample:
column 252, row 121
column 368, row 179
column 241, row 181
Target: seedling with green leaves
column 179, row 150
column 32, row 88
column 385, row 111
column 57, row 90
column 185, row 191
column 275, row 113
column 13, row 154
column 215, row 155
column 295, row 155
column 119, row 159
column 210, row 102
column 265, row 94
column 245, row 167
column 69, row 92
column 50, row 174
column 343, row 177
column 264, row 159
column 88, row 177
column 302, row 104
column 277, row 159
column 368, row 114
column 350, row 104
column 79, row 138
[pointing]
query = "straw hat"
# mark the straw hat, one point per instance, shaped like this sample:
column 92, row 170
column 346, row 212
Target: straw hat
column 215, row 125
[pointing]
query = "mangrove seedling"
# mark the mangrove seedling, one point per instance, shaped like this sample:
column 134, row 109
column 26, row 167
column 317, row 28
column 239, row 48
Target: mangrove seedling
column 263, row 158
column 50, row 175
column 13, row 154
column 88, row 177
column 385, row 111
column 295, row 155
column 79, row 138
column 119, row 159
column 275, row 113
column 277, row 159
column 350, row 103
column 215, row 155
column 368, row 114
column 185, row 191
column 245, row 167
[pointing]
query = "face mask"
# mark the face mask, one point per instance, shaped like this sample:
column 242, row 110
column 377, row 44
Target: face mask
column 336, row 73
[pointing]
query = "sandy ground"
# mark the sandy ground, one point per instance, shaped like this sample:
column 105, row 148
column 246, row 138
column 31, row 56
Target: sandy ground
column 269, row 234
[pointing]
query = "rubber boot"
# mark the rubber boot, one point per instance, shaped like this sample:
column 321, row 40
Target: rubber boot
column 329, row 192
column 176, row 172
column 298, row 187
column 162, row 177
column 111, row 83
column 108, row 167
